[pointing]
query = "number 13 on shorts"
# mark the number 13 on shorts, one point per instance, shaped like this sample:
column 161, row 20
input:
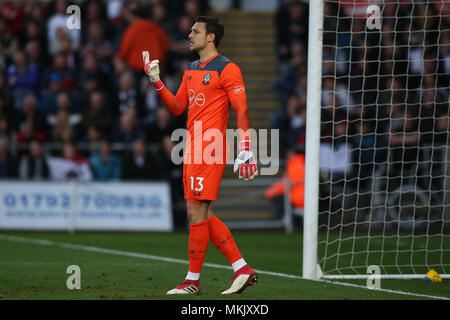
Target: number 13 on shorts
column 196, row 183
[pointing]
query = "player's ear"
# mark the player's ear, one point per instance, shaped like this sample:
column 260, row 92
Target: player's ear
column 211, row 37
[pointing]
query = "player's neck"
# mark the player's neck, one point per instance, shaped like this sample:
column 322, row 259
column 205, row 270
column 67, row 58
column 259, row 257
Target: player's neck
column 207, row 54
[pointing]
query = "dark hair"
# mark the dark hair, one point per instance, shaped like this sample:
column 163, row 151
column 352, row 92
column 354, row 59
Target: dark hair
column 213, row 26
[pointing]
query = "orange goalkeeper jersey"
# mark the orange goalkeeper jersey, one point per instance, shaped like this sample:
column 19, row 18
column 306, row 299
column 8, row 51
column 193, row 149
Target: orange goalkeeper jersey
column 207, row 90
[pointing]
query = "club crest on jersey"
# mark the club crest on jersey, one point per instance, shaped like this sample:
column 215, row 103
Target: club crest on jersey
column 238, row 90
column 206, row 79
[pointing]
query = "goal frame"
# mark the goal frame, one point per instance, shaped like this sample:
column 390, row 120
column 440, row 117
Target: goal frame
column 311, row 268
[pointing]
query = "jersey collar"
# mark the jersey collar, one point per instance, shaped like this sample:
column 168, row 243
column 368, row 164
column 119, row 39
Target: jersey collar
column 204, row 63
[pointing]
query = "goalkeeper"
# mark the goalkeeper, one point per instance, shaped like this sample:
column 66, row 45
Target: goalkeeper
column 208, row 87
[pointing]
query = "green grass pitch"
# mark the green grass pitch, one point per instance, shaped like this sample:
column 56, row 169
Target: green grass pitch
column 35, row 271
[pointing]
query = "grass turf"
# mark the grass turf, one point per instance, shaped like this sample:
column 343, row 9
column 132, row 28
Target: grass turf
column 34, row 271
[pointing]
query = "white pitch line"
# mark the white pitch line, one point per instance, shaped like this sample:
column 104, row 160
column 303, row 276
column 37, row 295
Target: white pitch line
column 386, row 290
column 212, row 265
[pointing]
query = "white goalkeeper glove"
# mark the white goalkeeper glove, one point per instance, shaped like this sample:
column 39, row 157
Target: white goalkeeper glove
column 151, row 68
column 245, row 162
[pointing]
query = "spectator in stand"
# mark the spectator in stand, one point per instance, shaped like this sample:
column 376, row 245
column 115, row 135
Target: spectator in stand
column 60, row 67
column 444, row 75
column 295, row 174
column 289, row 122
column 92, row 69
column 104, row 164
column 33, row 33
column 62, row 130
column 297, row 124
column 34, row 166
column 96, row 43
column 90, row 141
column 179, row 42
column 135, row 39
column 336, row 151
column 72, row 57
column 8, row 163
column 113, row 11
column 369, row 150
column 120, row 68
column 128, row 128
column 23, row 77
column 404, row 145
column 7, row 109
column 49, row 97
column 97, row 114
column 127, row 95
column 36, row 11
column 141, row 165
column 12, row 13
column 121, row 19
column 430, row 93
column 90, row 85
column 336, row 95
column 292, row 74
column 6, row 131
column 301, row 87
column 36, row 55
column 432, row 103
column 70, row 166
column 94, row 12
column 70, row 152
column 57, row 29
column 292, row 25
column 442, row 130
column 299, row 54
column 193, row 9
column 162, row 127
column 26, row 135
column 416, row 67
column 9, row 44
column 161, row 17
column 30, row 122
column 63, row 102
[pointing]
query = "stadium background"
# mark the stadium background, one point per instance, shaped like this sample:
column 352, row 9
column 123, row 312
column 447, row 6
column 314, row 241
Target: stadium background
column 68, row 95
column 63, row 91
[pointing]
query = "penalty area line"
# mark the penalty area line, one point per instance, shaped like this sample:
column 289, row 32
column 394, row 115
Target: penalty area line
column 50, row 243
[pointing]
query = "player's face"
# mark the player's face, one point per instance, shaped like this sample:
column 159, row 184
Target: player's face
column 198, row 39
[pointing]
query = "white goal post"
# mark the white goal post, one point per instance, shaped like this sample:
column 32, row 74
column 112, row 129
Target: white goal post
column 377, row 184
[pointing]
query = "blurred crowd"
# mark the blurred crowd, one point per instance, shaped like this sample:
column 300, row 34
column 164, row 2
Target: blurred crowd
column 80, row 93
column 385, row 92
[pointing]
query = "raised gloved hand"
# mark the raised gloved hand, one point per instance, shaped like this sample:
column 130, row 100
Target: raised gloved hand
column 245, row 162
column 151, row 68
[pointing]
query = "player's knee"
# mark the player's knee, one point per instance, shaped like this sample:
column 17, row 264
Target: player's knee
column 196, row 214
column 194, row 217
column 210, row 214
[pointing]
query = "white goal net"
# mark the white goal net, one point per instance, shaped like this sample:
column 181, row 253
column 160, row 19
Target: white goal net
column 384, row 195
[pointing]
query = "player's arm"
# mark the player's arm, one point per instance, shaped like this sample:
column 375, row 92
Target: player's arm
column 233, row 84
column 176, row 104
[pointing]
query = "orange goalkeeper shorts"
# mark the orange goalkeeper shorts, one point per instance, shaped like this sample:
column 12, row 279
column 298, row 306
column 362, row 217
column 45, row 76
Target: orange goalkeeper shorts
column 202, row 181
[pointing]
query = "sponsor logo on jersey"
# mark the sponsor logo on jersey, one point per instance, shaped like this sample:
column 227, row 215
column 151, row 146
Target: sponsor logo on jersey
column 198, row 99
column 206, row 79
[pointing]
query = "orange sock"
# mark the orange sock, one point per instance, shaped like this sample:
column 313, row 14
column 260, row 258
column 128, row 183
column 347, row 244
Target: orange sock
column 198, row 243
column 222, row 238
